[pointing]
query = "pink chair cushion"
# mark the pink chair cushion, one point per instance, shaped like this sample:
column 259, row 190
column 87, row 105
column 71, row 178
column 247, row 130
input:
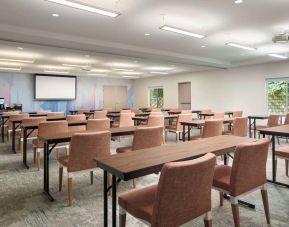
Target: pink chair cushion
column 222, row 177
column 282, row 151
column 124, row 149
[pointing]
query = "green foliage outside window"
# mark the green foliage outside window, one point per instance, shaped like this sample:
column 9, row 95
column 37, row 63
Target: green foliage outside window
column 157, row 97
column 277, row 92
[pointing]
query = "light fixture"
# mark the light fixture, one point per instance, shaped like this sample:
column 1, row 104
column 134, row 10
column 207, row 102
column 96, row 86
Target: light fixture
column 122, row 65
column 278, row 56
column 81, row 6
column 159, row 68
column 72, row 65
column 55, row 15
column 180, row 31
column 57, row 72
column 12, row 69
column 129, row 73
column 132, row 77
column 163, row 73
column 20, row 48
column 203, row 46
column 147, row 34
column 126, row 70
column 240, row 46
column 17, row 60
column 99, row 70
column 238, row 1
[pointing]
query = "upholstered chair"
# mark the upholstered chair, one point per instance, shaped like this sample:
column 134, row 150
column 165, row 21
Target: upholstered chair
column 144, row 137
column 100, row 114
column 8, row 113
column 98, row 124
column 183, row 193
column 10, row 125
column 282, row 153
column 125, row 111
column 156, row 113
column 186, row 111
column 55, row 114
column 47, row 129
column 247, row 174
column 212, row 127
column 135, row 110
column 156, row 120
column 75, row 118
column 178, row 128
column 85, row 147
column 155, row 110
column 219, row 115
column 273, row 120
column 237, row 113
column 125, row 120
column 239, row 128
column 82, row 111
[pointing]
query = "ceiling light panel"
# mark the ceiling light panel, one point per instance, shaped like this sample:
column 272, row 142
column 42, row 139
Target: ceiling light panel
column 278, row 56
column 180, row 31
column 56, row 72
column 81, row 6
column 16, row 60
column 240, row 46
column 10, row 68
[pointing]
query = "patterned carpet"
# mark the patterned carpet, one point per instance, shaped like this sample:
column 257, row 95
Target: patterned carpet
column 22, row 202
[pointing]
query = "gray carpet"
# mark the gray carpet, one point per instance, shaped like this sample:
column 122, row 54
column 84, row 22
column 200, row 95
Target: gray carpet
column 22, row 202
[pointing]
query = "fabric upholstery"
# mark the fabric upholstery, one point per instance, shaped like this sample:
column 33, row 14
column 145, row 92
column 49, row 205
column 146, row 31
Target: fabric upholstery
column 237, row 114
column 98, row 124
column 100, row 114
column 219, row 115
column 82, row 111
column 240, row 126
column 156, row 120
column 286, row 121
column 135, row 110
column 85, row 147
column 156, row 113
column 32, row 121
column 222, row 177
column 55, row 114
column 125, row 111
column 125, row 119
column 16, row 117
column 186, row 112
column 212, row 128
column 74, row 118
column 181, row 117
column 182, row 194
column 282, row 151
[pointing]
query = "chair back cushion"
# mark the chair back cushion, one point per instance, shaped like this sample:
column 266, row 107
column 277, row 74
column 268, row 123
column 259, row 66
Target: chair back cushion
column 273, row 120
column 16, row 117
column 286, row 122
column 49, row 128
column 55, row 114
column 184, row 191
column 87, row 146
column 219, row 115
column 212, row 128
column 33, row 121
column 98, row 124
column 125, row 119
column 100, row 114
column 183, row 117
column 249, row 166
column 82, row 111
column 237, row 113
column 240, row 126
column 156, row 120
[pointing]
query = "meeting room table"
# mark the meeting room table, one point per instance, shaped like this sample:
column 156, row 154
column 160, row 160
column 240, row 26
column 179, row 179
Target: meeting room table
column 204, row 115
column 51, row 141
column 282, row 130
column 131, row 165
column 252, row 122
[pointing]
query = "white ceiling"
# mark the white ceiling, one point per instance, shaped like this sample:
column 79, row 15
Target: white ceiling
column 121, row 39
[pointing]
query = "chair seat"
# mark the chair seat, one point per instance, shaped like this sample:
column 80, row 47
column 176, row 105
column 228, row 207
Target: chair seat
column 227, row 133
column 222, row 177
column 123, row 149
column 139, row 202
column 63, row 160
column 261, row 127
column 282, row 151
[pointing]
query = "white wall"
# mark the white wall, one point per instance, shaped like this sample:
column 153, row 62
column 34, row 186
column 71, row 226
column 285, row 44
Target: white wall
column 241, row 88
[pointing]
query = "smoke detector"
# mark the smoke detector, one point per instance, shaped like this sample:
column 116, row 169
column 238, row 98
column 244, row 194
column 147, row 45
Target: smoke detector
column 281, row 38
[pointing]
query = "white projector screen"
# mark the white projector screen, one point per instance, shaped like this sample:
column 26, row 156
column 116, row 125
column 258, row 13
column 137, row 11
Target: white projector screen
column 50, row 87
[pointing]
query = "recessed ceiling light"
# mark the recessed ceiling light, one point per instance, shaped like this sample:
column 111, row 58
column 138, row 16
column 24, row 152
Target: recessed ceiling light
column 55, row 15
column 180, row 31
column 130, row 73
column 159, row 68
column 238, row 1
column 163, row 73
column 10, row 69
column 132, row 77
column 57, row 72
column 81, row 6
column 20, row 48
column 203, row 46
column 72, row 65
column 100, row 70
column 147, row 34
column 122, row 65
column 127, row 70
column 278, row 56
column 240, row 46
column 17, row 60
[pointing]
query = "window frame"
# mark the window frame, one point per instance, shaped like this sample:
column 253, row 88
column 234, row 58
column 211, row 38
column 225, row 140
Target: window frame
column 149, row 94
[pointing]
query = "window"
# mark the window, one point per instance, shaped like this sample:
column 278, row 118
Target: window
column 156, row 97
column 277, row 96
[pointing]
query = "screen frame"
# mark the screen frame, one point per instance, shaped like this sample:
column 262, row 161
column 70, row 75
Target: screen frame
column 52, row 75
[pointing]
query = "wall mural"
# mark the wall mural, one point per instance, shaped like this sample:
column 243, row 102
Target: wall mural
column 19, row 89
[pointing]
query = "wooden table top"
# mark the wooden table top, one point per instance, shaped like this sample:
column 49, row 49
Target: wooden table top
column 261, row 116
column 139, row 163
column 202, row 122
column 66, row 137
column 282, row 130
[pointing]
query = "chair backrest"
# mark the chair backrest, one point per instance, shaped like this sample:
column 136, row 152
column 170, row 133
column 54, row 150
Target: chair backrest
column 155, row 110
column 107, row 109
column 192, row 181
column 74, row 118
column 156, row 113
column 100, row 114
column 125, row 111
column 183, row 117
column 98, row 124
column 212, row 128
column 286, row 121
column 240, row 126
column 207, row 111
column 237, row 113
column 33, row 121
column 55, row 114
column 49, row 128
column 219, row 115
column 249, row 166
column 135, row 110
column 8, row 113
column 16, row 117
column 174, row 109
column 43, row 112
column 186, row 112
column 156, row 120
column 273, row 120
column 85, row 148
column 146, row 137
column 125, row 120
column 82, row 111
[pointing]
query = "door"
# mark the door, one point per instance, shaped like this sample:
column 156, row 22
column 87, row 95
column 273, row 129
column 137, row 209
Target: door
column 115, row 97
column 185, row 96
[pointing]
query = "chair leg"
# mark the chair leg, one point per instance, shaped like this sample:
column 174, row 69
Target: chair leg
column 122, row 217
column 91, row 177
column 221, row 198
column 34, row 155
column 276, row 166
column 266, row 204
column 109, row 182
column 208, row 220
column 69, row 184
column 286, row 167
column 134, row 183
column 60, row 177
column 166, row 135
column 235, row 211
column 38, row 158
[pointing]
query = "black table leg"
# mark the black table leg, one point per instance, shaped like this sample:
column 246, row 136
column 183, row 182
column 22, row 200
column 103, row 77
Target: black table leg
column 254, row 127
column 2, row 128
column 13, row 136
column 273, row 159
column 250, row 128
column 189, row 133
column 105, row 199
column 46, row 172
column 113, row 201
column 25, row 148
column 184, row 133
